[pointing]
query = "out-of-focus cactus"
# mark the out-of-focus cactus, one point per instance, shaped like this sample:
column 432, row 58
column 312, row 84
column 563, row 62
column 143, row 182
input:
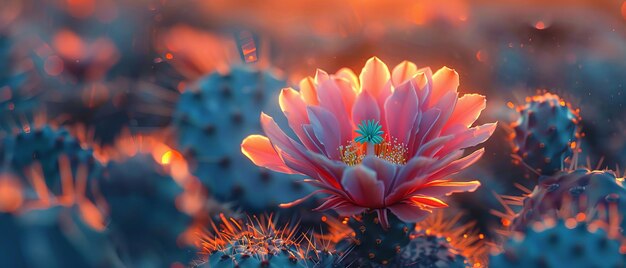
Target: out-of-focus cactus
column 145, row 223
column 93, row 66
column 45, row 146
column 546, row 133
column 19, row 98
column 212, row 119
column 55, row 237
column 563, row 244
column 572, row 192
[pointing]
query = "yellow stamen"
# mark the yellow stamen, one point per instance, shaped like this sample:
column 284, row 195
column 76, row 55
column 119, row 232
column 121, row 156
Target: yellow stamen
column 390, row 150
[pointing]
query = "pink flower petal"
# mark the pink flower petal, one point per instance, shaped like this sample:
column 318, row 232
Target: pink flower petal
column 458, row 165
column 416, row 177
column 416, row 169
column 300, row 200
column 348, row 95
column 408, row 213
column 400, row 111
column 326, row 129
column 308, row 91
column 349, row 210
column 259, row 149
column 293, row 153
column 445, row 80
column 469, row 138
column 365, row 108
column 290, row 151
column 308, row 131
column 385, row 171
column 362, row 186
column 331, row 98
column 321, row 76
column 294, row 109
column 374, row 76
column 403, row 72
column 348, row 75
column 433, row 146
column 423, row 81
column 333, row 167
column 467, row 110
column 332, row 202
column 446, row 105
column 445, row 188
column 427, row 122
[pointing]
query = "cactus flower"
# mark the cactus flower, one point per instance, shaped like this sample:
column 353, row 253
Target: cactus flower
column 383, row 141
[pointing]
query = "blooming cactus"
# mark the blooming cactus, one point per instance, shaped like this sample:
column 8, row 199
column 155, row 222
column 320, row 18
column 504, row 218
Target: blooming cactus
column 340, row 119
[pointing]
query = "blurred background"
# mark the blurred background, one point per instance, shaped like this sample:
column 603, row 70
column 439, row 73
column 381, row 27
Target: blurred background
column 98, row 90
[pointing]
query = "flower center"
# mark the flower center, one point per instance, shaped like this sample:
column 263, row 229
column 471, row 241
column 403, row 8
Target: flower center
column 390, row 150
column 371, row 142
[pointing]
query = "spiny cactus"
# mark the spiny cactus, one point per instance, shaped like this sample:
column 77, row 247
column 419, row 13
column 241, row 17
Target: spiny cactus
column 145, row 223
column 324, row 258
column 564, row 244
column 375, row 244
column 546, row 133
column 433, row 243
column 238, row 255
column 54, row 237
column 256, row 242
column 572, row 192
column 429, row 251
column 210, row 122
column 45, row 146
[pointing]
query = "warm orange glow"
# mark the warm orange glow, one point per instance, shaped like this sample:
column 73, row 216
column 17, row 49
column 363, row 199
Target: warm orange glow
column 53, row 65
column 505, row 222
column 169, row 56
column 540, row 25
column 571, row 223
column 181, row 86
column 193, row 199
column 11, row 198
column 573, row 145
column 510, row 105
column 91, row 215
column 166, row 159
column 481, row 55
column 69, row 45
column 580, row 217
column 624, row 10
column 81, row 8
column 428, row 201
column 195, row 52
column 423, row 12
